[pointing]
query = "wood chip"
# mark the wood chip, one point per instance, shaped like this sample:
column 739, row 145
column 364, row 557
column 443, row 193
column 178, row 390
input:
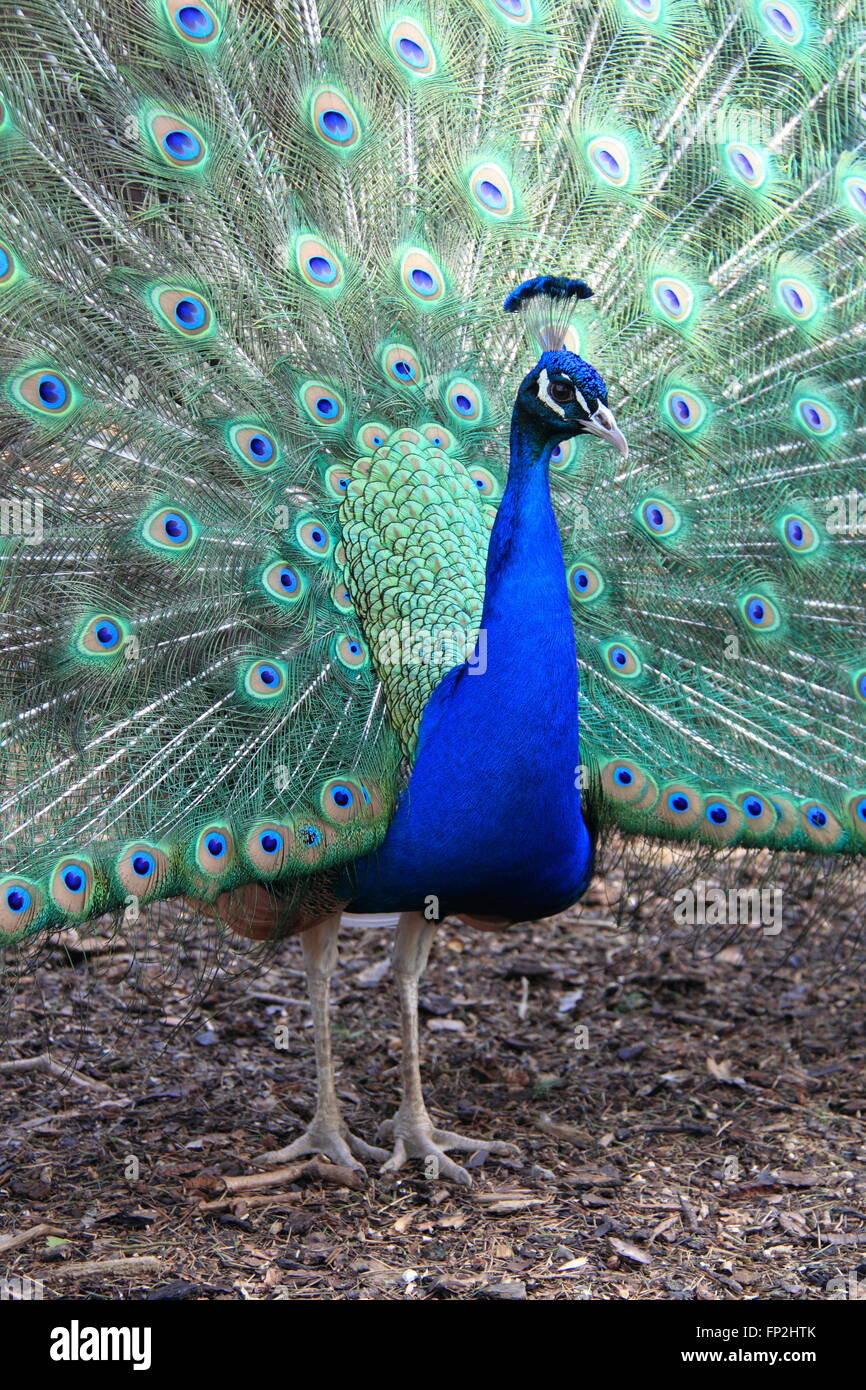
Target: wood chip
column 594, row 1177
column 510, row 1205
column 510, row 1289
column 87, row 1269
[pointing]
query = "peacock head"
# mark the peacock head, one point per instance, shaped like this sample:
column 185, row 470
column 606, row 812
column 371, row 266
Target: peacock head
column 563, row 395
column 567, row 396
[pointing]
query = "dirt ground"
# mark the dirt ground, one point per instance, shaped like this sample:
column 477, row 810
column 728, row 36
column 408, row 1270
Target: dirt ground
column 689, row 1127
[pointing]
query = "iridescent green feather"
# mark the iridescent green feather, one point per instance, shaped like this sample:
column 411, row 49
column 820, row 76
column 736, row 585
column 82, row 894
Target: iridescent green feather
column 255, row 405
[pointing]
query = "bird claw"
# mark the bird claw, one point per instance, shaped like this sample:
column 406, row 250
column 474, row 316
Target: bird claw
column 418, row 1138
column 337, row 1142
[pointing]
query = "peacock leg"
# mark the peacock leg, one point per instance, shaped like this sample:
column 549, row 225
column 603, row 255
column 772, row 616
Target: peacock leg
column 327, row 1132
column 412, row 1130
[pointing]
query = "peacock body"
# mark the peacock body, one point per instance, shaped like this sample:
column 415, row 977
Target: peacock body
column 277, row 618
column 444, row 848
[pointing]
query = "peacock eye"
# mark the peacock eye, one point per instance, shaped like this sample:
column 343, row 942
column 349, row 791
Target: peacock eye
column 561, row 391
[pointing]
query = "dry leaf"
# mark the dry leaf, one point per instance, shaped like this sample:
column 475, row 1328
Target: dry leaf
column 794, row 1223
column 664, row 1226
column 629, row 1251
column 557, row 1130
column 721, row 1071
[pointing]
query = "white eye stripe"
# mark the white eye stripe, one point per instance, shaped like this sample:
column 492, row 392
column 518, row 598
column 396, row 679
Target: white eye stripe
column 544, row 393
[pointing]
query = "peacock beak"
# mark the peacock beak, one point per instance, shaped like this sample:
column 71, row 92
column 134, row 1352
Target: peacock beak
column 604, row 425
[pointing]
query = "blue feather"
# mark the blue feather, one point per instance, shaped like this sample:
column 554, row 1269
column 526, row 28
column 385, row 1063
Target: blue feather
column 491, row 822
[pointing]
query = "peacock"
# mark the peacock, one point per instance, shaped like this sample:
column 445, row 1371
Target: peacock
column 324, row 323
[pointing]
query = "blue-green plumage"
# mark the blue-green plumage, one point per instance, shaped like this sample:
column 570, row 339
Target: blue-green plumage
column 256, row 387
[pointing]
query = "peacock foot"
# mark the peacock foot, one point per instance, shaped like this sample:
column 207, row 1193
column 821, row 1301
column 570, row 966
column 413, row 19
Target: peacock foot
column 329, row 1137
column 415, row 1136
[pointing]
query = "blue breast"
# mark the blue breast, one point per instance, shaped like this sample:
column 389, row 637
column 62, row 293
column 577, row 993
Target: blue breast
column 491, row 820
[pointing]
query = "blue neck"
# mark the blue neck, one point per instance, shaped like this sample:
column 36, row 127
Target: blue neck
column 491, row 821
column 524, row 559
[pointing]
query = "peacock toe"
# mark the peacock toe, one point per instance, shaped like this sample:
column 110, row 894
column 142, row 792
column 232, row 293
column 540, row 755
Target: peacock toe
column 415, row 1136
column 337, row 1143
